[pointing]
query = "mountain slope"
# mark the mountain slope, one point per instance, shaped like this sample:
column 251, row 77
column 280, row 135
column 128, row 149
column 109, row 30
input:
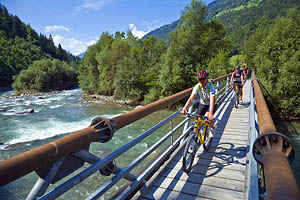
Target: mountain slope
column 240, row 17
column 163, row 31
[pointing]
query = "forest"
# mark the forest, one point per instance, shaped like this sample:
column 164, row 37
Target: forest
column 266, row 33
column 20, row 46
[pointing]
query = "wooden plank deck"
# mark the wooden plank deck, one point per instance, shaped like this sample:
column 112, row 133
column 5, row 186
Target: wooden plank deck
column 220, row 172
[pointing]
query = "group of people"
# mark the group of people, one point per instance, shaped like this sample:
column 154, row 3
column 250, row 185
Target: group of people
column 206, row 92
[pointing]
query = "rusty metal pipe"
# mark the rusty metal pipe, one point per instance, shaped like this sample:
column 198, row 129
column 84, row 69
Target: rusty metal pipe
column 222, row 77
column 280, row 182
column 265, row 120
column 22, row 164
column 272, row 150
column 134, row 115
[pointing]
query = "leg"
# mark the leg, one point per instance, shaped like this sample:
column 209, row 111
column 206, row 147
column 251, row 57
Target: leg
column 202, row 109
column 241, row 92
column 211, row 123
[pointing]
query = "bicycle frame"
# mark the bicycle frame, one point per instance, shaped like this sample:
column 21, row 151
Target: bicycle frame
column 198, row 124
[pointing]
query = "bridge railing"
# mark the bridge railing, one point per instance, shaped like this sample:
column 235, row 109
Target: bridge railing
column 54, row 161
column 273, row 151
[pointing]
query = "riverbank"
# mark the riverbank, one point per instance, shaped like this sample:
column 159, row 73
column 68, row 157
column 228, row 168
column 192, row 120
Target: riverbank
column 97, row 98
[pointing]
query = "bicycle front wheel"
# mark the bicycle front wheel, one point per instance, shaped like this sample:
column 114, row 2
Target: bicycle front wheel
column 189, row 153
column 236, row 102
column 207, row 139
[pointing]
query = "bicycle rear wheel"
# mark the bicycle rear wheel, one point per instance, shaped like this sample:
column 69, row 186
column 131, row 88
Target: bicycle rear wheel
column 207, row 139
column 189, row 153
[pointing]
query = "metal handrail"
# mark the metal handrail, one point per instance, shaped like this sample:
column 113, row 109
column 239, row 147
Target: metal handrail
column 20, row 165
column 274, row 152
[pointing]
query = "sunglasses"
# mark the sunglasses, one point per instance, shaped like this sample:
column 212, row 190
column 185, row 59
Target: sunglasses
column 201, row 79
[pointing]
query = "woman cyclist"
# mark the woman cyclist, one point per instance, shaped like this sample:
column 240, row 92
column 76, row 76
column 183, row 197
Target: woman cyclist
column 206, row 92
column 237, row 78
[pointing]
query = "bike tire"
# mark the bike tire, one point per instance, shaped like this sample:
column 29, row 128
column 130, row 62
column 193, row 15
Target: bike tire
column 207, row 139
column 189, row 153
column 236, row 103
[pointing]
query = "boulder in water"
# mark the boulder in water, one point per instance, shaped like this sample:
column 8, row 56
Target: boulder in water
column 26, row 111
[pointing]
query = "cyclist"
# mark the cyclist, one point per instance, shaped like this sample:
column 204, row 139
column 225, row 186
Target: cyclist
column 245, row 71
column 207, row 104
column 237, row 78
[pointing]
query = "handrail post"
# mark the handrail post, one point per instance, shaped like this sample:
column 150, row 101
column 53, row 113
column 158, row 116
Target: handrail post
column 217, row 88
column 171, row 127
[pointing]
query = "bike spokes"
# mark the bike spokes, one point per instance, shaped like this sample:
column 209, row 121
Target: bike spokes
column 236, row 99
column 189, row 153
column 207, row 139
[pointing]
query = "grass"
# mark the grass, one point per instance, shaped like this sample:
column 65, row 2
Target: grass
column 249, row 4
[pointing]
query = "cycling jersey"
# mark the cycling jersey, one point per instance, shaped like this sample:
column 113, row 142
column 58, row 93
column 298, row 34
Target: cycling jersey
column 237, row 76
column 245, row 70
column 204, row 93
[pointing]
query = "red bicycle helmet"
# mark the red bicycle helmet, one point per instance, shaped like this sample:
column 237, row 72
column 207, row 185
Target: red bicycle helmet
column 202, row 74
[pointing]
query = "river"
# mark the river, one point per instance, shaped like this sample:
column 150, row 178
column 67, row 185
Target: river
column 57, row 115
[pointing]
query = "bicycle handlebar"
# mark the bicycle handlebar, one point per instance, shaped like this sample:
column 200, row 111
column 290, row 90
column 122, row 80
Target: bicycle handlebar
column 196, row 115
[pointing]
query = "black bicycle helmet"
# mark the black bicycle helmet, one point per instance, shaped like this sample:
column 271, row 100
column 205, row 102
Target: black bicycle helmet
column 202, row 74
column 237, row 67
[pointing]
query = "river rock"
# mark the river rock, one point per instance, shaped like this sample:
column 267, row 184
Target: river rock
column 26, row 111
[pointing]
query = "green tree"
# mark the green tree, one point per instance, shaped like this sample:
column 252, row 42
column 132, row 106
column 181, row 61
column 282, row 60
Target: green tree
column 108, row 59
column 46, row 75
column 277, row 60
column 88, row 70
column 219, row 65
column 192, row 46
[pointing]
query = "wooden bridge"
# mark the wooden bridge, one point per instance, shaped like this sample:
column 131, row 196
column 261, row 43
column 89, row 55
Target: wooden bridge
column 245, row 141
column 220, row 172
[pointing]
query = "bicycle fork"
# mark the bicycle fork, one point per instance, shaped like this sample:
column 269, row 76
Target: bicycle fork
column 199, row 127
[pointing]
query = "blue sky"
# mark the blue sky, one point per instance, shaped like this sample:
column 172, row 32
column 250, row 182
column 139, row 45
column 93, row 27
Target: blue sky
column 76, row 24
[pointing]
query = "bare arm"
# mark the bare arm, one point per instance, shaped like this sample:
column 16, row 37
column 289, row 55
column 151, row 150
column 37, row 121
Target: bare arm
column 242, row 76
column 188, row 103
column 211, row 108
column 231, row 80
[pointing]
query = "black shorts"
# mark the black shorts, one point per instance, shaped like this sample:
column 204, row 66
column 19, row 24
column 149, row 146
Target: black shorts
column 240, row 85
column 203, row 109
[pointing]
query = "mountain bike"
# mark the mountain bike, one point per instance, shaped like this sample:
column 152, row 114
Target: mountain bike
column 195, row 139
column 236, row 95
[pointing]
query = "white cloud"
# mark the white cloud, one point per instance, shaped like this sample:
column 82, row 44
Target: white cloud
column 94, row 4
column 72, row 45
column 136, row 32
column 56, row 28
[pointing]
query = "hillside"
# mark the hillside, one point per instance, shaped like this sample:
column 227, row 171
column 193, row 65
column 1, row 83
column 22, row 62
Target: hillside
column 163, row 32
column 20, row 45
column 240, row 17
